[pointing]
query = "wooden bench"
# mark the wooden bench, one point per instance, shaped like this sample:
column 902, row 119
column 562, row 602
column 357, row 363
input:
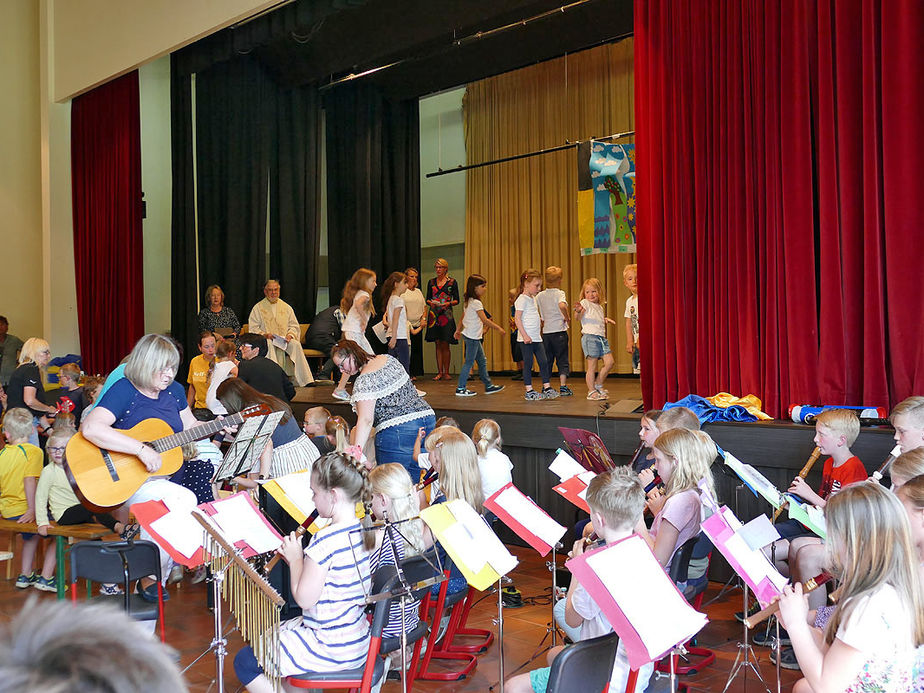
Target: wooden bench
column 61, row 533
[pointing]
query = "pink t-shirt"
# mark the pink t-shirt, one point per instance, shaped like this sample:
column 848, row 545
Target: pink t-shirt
column 682, row 510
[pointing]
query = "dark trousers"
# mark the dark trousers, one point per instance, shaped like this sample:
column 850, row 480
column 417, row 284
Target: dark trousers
column 417, row 367
column 556, row 349
column 538, row 350
column 78, row 515
column 402, row 352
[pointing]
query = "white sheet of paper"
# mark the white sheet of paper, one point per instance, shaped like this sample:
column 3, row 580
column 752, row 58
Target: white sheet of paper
column 759, row 532
column 466, row 549
column 755, row 480
column 663, row 618
column 298, row 490
column 564, row 466
column 587, row 476
column 530, row 516
column 237, row 520
column 490, row 549
column 180, row 530
column 280, row 342
column 754, row 563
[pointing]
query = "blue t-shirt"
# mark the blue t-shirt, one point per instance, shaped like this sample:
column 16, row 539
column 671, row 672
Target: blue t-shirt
column 130, row 407
column 287, row 432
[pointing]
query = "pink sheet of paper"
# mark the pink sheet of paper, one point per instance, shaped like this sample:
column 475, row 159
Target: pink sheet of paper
column 637, row 651
column 719, row 531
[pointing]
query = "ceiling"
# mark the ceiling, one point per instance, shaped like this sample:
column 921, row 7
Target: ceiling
column 433, row 42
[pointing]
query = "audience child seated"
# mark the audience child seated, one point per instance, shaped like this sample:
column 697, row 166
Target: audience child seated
column 907, row 419
column 337, row 432
column 20, row 468
column 198, row 377
column 69, row 398
column 330, row 580
column 494, row 465
column 868, row 643
column 222, row 367
column 616, row 501
column 314, row 424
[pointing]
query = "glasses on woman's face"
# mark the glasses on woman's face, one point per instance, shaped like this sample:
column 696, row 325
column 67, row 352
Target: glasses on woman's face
column 55, row 449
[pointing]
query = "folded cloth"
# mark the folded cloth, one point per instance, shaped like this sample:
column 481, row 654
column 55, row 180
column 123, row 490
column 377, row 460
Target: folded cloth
column 707, row 412
column 750, row 402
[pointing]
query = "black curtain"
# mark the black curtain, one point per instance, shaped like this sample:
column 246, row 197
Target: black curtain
column 184, row 303
column 294, row 198
column 233, row 135
column 373, row 184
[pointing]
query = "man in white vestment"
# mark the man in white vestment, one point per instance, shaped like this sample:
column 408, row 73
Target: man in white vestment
column 275, row 319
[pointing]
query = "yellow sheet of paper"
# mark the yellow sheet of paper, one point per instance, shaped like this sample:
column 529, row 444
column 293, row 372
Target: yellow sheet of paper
column 440, row 518
column 275, row 490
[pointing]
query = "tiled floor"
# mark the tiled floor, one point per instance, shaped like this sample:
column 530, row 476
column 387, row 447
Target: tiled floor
column 190, row 627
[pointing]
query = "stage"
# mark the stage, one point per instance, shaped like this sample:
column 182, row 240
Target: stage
column 530, row 434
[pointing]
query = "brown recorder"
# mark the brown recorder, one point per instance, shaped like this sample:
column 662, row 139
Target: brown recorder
column 302, row 528
column 813, row 458
column 807, row 586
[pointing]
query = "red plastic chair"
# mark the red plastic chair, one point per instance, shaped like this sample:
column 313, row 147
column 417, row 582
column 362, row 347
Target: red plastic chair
column 440, row 651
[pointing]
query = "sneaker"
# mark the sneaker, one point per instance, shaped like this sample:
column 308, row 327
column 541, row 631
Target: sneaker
column 765, row 637
column 565, row 391
column 45, row 584
column 603, row 392
column 420, row 393
column 532, row 395
column 491, row 389
column 110, row 589
column 342, row 395
column 549, row 393
column 464, row 392
column 149, row 594
column 787, row 658
column 24, row 581
column 517, row 376
column 176, row 575
column 595, row 394
column 753, row 608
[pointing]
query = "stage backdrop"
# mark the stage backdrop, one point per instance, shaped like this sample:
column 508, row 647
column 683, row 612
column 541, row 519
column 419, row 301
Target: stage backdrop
column 606, row 197
column 779, row 159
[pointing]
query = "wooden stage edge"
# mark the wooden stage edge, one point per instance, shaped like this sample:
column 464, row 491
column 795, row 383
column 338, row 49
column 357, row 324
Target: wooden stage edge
column 530, row 435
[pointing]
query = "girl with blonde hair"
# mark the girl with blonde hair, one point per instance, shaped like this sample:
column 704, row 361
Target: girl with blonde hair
column 869, row 641
column 337, row 431
column 26, row 388
column 494, row 466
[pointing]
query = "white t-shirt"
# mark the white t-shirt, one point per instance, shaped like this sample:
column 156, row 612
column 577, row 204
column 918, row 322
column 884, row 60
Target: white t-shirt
column 632, row 314
column 397, row 302
column 548, row 301
column 530, row 318
column 357, row 319
column 472, row 326
column 495, row 468
column 415, row 304
column 596, row 624
column 592, row 319
column 219, row 375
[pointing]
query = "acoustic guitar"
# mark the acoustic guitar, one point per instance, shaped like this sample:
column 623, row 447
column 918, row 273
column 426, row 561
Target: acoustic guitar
column 103, row 479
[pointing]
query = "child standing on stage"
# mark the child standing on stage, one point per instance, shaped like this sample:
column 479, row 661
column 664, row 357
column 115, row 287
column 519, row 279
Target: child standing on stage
column 474, row 320
column 330, row 580
column 20, row 468
column 630, row 279
column 869, row 641
column 515, row 352
column 529, row 335
column 616, row 503
column 396, row 314
column 553, row 309
column 356, row 304
column 593, row 336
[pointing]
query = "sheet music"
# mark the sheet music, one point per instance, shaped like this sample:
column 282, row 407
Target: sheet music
column 280, row 342
column 810, row 515
column 465, row 546
column 530, row 515
column 758, row 533
column 249, row 442
column 755, row 480
column 298, row 490
column 489, row 547
column 236, row 518
column 754, row 563
column 180, row 530
column 663, row 618
column 564, row 466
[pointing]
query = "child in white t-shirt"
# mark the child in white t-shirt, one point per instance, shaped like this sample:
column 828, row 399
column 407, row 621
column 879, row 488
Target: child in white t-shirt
column 553, row 309
column 630, row 279
column 399, row 344
column 529, row 335
column 474, row 320
column 593, row 336
column 494, row 465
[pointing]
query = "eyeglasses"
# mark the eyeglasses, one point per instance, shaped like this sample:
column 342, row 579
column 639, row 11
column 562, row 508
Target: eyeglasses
column 55, row 449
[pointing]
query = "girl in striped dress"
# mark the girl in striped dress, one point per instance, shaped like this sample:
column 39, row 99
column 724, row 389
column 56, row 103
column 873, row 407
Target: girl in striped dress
column 330, row 580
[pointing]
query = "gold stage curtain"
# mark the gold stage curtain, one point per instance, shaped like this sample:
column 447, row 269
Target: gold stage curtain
column 524, row 213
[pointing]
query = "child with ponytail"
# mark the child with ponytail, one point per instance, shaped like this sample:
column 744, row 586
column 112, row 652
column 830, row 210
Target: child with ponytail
column 494, row 465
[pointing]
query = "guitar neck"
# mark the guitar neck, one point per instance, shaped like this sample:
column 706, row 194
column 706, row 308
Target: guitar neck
column 195, row 433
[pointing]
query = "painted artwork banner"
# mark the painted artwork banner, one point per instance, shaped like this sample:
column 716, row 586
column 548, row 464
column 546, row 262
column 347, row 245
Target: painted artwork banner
column 606, row 197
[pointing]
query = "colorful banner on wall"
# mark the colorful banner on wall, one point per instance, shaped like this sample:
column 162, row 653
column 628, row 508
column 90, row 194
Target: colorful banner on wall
column 606, row 197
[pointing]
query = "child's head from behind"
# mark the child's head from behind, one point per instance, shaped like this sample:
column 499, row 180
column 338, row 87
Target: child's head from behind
column 475, row 287
column 617, row 497
column 337, row 431
column 630, row 277
column 683, row 458
column 678, row 417
column 92, row 386
column 17, row 425
column 487, row 435
column 337, row 479
column 836, row 428
column 869, row 544
column 446, row 421
column 57, row 443
column 553, row 276
column 592, row 290
column 225, row 350
column 530, row 281
column 908, row 419
column 453, row 456
column 315, row 421
column 907, row 466
column 512, row 296
column 393, row 492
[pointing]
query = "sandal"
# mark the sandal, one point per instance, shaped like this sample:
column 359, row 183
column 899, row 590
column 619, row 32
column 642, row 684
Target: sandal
column 129, row 532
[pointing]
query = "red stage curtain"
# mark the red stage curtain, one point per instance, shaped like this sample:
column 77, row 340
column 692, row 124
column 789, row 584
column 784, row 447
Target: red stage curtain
column 777, row 146
column 106, row 184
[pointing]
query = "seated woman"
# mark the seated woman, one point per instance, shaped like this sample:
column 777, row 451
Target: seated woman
column 289, row 450
column 216, row 316
column 385, row 398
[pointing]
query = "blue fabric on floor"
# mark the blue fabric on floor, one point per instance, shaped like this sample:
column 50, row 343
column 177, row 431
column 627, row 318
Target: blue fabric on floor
column 709, row 413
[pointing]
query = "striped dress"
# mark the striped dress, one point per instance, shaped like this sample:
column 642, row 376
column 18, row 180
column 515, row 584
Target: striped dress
column 334, row 633
column 385, row 556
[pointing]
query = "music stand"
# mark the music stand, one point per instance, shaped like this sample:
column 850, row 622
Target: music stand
column 588, row 449
column 248, row 444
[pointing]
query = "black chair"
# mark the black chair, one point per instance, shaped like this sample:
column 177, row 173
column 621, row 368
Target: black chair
column 121, row 563
column 585, row 666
